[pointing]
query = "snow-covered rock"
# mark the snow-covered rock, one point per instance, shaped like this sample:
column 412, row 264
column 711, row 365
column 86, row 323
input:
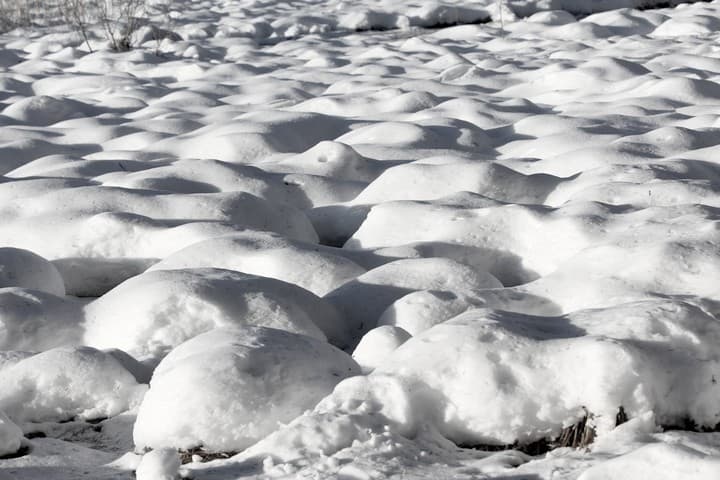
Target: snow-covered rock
column 418, row 311
column 150, row 314
column 363, row 300
column 498, row 377
column 161, row 464
column 361, row 409
column 377, row 344
column 227, row 388
column 428, row 181
column 64, row 383
column 492, row 377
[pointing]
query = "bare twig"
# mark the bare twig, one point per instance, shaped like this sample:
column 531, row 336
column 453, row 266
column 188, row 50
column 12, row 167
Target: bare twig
column 120, row 20
column 78, row 14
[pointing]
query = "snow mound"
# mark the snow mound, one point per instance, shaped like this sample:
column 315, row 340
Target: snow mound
column 659, row 461
column 64, row 383
column 638, row 263
column 111, row 222
column 23, row 268
column 684, row 90
column 11, row 436
column 367, row 408
column 516, row 241
column 696, row 25
column 423, row 181
column 280, row 185
column 552, row 17
column 391, row 100
column 363, row 300
column 377, row 344
column 418, row 311
column 150, row 314
column 11, row 357
column 254, row 136
column 46, row 110
column 625, row 21
column 492, row 378
column 328, row 159
column 530, row 376
column 162, row 464
column 227, row 388
column 312, row 267
column 35, row 321
column 433, row 134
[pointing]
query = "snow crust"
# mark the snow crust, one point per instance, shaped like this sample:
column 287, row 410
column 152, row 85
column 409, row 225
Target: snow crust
column 377, row 345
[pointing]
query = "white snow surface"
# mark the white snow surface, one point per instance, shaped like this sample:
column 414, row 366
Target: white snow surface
column 160, row 464
column 33, row 320
column 22, row 268
column 11, row 436
column 151, row 313
column 65, row 383
column 377, row 239
column 252, row 380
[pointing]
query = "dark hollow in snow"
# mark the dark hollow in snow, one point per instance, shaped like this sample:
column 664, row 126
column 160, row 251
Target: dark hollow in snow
column 24, row 450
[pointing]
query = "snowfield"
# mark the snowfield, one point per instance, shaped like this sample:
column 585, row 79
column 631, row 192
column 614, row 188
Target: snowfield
column 364, row 241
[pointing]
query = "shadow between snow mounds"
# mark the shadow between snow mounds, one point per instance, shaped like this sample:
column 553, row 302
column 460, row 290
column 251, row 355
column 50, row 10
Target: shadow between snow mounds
column 24, row 450
column 380, row 29
column 507, row 267
column 540, row 327
column 93, row 277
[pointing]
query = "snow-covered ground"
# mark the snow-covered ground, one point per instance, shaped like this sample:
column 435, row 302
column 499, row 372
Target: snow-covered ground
column 290, row 250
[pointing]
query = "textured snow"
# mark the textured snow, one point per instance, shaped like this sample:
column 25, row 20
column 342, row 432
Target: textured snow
column 150, row 314
column 225, row 389
column 64, row 383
